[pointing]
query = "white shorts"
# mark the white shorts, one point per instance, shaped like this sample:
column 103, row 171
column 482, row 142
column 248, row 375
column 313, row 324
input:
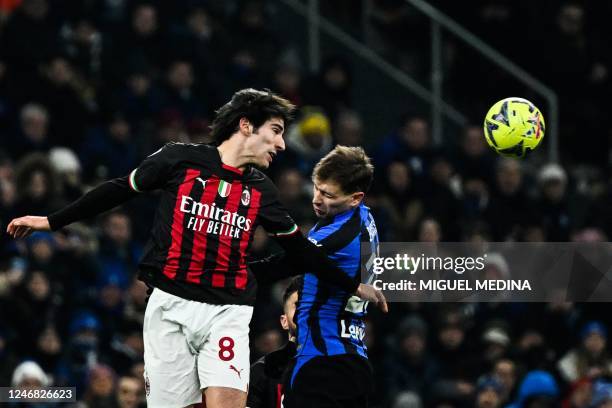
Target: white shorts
column 189, row 346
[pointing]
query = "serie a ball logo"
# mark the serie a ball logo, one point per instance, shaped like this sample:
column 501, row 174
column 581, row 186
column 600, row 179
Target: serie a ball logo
column 514, row 127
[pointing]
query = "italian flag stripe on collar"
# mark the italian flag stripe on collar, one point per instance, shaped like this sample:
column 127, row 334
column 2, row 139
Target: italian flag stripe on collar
column 288, row 232
column 132, row 181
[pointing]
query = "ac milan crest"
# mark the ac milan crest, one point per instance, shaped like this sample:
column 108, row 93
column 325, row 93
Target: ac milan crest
column 147, row 385
column 245, row 198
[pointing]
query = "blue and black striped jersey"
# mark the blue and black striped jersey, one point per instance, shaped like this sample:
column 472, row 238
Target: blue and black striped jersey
column 329, row 320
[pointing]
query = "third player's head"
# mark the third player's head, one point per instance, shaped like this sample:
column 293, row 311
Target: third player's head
column 257, row 121
column 290, row 298
column 341, row 179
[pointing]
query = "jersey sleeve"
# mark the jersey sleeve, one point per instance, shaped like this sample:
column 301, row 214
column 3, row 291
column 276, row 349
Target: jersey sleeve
column 154, row 171
column 273, row 216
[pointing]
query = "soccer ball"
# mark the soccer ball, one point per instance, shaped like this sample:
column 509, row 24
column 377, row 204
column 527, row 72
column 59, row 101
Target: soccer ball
column 514, row 127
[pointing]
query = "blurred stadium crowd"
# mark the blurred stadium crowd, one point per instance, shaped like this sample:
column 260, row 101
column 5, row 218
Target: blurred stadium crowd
column 89, row 88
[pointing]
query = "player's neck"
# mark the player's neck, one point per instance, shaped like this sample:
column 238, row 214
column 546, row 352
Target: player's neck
column 231, row 153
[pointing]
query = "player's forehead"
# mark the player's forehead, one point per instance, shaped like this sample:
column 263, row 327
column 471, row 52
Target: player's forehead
column 290, row 302
column 275, row 121
column 328, row 186
column 293, row 297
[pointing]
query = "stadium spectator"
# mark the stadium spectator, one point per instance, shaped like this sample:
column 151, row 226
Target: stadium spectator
column 407, row 399
column 180, row 93
column 64, row 96
column 538, row 389
column 579, row 394
column 118, row 253
column 409, row 366
column 128, row 394
column 31, row 306
column 401, row 200
column 136, row 302
column 441, row 202
column 288, row 82
column 394, row 30
column 81, row 353
column 110, row 150
column 508, row 207
column 36, row 185
column 457, row 363
column 68, row 169
column 202, row 41
column 266, row 342
column 33, row 132
column 29, row 375
column 198, row 131
column 472, row 159
column 429, row 231
column 307, row 141
column 141, row 42
column 567, row 39
column 348, row 129
column 495, row 342
column 254, row 46
column 28, row 38
column 295, row 195
column 602, row 394
column 559, row 212
column 410, row 143
column 84, row 45
column 170, row 128
column 48, row 350
column 126, row 347
column 505, row 371
column 109, row 303
column 266, row 376
column 138, row 97
column 488, row 392
column 100, row 386
column 590, row 359
column 8, row 357
column 331, row 88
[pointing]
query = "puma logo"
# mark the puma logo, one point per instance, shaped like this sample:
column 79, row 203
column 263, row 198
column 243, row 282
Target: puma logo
column 236, row 370
column 202, row 181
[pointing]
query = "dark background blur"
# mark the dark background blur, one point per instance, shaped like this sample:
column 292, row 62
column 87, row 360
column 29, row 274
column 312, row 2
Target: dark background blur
column 89, row 88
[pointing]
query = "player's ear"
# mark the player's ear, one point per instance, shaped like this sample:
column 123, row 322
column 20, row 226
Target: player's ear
column 284, row 321
column 245, row 126
column 356, row 198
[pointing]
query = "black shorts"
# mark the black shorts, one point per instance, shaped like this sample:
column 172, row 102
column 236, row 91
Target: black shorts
column 329, row 381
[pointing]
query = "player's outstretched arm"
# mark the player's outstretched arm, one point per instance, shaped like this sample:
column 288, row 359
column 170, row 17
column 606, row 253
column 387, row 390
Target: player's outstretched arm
column 102, row 198
column 23, row 226
column 307, row 257
column 273, row 268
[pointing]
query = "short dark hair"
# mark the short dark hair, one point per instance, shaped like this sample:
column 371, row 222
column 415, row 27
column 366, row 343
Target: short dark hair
column 350, row 167
column 255, row 105
column 294, row 286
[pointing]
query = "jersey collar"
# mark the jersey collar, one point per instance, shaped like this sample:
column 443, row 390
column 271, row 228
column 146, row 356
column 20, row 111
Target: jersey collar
column 235, row 170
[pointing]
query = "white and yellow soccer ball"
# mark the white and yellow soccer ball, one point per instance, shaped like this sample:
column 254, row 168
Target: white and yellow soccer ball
column 514, row 127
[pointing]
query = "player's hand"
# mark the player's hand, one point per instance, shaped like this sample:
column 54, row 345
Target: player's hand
column 23, row 226
column 372, row 295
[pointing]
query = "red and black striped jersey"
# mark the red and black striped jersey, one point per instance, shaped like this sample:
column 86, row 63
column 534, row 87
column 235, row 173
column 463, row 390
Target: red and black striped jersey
column 205, row 223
